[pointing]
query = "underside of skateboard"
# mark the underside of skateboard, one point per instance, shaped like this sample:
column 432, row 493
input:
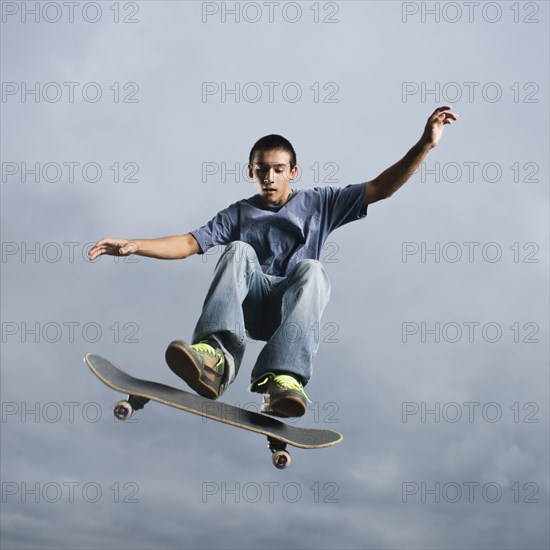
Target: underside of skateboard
column 125, row 408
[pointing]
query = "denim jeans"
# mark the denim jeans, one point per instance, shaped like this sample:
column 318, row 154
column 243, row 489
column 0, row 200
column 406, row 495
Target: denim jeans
column 283, row 311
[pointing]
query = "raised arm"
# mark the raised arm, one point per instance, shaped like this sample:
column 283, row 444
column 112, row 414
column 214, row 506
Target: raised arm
column 391, row 179
column 175, row 247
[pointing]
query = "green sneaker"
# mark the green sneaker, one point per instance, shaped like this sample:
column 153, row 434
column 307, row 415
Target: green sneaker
column 200, row 365
column 284, row 395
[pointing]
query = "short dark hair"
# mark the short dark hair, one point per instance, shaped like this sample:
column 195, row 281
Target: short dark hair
column 274, row 141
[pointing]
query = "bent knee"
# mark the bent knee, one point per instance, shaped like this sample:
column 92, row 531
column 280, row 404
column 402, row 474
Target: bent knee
column 239, row 250
column 311, row 270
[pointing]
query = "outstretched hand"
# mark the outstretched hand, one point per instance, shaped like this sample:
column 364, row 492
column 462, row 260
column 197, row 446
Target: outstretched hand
column 434, row 126
column 112, row 247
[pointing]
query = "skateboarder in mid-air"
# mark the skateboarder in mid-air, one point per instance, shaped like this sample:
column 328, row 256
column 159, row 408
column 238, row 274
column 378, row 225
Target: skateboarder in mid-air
column 269, row 280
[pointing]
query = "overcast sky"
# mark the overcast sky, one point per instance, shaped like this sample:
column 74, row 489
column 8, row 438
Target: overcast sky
column 135, row 120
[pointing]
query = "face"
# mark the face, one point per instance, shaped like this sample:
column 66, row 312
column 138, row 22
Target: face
column 272, row 174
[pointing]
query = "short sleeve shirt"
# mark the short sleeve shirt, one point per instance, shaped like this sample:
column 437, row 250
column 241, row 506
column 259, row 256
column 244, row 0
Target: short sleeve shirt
column 283, row 235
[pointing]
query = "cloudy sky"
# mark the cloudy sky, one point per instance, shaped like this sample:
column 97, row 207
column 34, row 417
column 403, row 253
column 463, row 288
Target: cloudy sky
column 135, row 120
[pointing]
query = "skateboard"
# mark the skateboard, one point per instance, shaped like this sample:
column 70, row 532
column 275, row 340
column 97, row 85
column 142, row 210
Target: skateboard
column 140, row 392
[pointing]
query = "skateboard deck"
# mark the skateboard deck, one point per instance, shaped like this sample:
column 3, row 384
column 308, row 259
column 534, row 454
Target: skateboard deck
column 141, row 391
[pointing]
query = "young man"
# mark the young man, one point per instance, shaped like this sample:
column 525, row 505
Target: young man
column 268, row 281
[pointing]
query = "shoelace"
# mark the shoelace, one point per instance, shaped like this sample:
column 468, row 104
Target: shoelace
column 203, row 347
column 285, row 382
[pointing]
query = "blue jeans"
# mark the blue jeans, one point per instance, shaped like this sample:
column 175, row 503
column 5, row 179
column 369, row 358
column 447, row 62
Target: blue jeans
column 283, row 311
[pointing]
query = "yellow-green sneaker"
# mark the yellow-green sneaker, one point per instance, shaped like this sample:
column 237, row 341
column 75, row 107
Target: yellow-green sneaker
column 284, row 395
column 200, row 365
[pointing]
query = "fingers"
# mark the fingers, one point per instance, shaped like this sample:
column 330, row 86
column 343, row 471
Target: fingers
column 113, row 247
column 453, row 116
column 96, row 251
column 111, row 242
column 93, row 253
column 439, row 112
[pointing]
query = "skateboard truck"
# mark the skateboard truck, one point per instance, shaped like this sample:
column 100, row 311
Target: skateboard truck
column 125, row 408
column 280, row 457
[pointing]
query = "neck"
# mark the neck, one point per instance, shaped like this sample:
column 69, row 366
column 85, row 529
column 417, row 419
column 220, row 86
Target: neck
column 282, row 201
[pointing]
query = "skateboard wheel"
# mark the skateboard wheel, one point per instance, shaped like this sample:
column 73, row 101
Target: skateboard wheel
column 123, row 410
column 281, row 459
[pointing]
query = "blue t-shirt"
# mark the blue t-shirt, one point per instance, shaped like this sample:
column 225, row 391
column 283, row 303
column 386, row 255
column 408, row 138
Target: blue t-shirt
column 283, row 235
